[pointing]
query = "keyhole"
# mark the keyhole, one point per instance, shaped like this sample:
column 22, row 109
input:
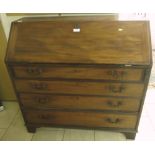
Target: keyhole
column 76, row 28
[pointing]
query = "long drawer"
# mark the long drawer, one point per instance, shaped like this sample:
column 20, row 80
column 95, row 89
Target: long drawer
column 84, row 88
column 85, row 119
column 44, row 101
column 98, row 73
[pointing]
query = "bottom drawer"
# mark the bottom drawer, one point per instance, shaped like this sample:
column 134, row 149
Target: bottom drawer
column 85, row 119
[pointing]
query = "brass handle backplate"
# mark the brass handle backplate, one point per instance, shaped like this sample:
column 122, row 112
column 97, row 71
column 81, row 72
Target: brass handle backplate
column 116, row 74
column 42, row 100
column 39, row 86
column 116, row 104
column 116, row 89
column 44, row 117
column 113, row 120
column 34, row 71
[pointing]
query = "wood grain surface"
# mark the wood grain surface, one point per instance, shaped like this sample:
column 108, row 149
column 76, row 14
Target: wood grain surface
column 98, row 42
column 49, row 101
column 81, row 88
column 87, row 119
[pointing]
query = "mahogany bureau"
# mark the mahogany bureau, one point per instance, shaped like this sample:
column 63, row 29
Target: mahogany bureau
column 80, row 71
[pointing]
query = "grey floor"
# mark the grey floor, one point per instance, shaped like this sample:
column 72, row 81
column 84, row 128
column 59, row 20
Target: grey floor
column 12, row 128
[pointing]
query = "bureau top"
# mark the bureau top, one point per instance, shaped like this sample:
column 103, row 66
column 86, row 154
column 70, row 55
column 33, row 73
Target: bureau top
column 76, row 40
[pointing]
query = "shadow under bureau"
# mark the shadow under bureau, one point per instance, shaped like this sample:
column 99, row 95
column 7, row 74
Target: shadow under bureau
column 80, row 71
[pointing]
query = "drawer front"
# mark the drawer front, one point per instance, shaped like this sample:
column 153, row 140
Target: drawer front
column 85, row 119
column 84, row 88
column 96, row 73
column 43, row 101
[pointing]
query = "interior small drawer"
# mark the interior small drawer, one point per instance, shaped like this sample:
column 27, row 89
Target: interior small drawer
column 44, row 101
column 85, row 119
column 79, row 72
column 80, row 87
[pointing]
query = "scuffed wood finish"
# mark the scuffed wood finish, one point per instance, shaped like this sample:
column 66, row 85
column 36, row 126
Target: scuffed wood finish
column 80, row 88
column 98, row 42
column 88, row 119
column 95, row 77
column 79, row 72
column 44, row 101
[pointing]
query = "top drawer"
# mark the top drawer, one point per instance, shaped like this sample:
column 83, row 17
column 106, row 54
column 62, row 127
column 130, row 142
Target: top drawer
column 79, row 72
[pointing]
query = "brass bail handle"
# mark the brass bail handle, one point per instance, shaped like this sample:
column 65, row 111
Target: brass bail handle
column 113, row 121
column 116, row 89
